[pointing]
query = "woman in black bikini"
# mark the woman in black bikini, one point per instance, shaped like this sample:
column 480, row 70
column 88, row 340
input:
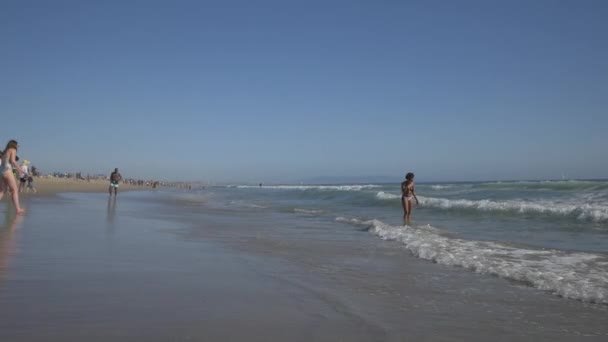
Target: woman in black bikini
column 408, row 194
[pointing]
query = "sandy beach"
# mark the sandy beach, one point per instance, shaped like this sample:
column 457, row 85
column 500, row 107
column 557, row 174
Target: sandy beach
column 47, row 186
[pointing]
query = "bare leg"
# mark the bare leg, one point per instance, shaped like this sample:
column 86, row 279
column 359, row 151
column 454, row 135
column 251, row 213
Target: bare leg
column 404, row 205
column 2, row 186
column 10, row 180
column 410, row 205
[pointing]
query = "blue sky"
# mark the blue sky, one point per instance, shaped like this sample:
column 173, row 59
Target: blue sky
column 286, row 91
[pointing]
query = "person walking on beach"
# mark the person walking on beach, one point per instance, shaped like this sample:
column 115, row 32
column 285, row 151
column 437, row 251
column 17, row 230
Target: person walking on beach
column 115, row 179
column 7, row 179
column 23, row 175
column 408, row 194
column 30, row 184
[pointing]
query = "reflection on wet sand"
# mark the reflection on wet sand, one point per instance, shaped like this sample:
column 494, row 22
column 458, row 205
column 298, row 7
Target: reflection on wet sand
column 7, row 241
column 111, row 215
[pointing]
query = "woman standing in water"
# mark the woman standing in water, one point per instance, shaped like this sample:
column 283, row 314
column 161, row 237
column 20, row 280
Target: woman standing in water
column 6, row 177
column 408, row 194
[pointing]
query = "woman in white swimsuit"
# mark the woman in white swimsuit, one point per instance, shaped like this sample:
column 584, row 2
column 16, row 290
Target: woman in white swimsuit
column 6, row 177
column 408, row 195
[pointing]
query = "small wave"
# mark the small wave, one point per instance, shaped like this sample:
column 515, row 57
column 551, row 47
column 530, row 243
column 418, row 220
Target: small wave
column 441, row 187
column 307, row 211
column 579, row 276
column 590, row 212
column 386, row 196
column 596, row 213
column 313, row 187
column 557, row 185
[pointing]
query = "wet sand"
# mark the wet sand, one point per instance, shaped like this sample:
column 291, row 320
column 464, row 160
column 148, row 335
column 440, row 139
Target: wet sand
column 87, row 267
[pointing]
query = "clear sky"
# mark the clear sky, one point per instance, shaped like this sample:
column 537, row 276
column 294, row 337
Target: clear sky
column 286, row 91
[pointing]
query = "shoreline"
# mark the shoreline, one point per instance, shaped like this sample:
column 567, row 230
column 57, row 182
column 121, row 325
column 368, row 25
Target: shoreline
column 246, row 275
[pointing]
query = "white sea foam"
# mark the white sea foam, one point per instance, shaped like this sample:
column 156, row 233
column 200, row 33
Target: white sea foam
column 307, row 211
column 580, row 276
column 548, row 185
column 441, row 187
column 597, row 212
column 387, row 196
column 313, row 187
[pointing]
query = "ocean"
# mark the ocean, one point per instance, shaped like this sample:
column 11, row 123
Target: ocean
column 551, row 235
column 510, row 261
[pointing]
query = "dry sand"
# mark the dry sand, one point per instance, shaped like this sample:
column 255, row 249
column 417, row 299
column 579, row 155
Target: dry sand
column 50, row 186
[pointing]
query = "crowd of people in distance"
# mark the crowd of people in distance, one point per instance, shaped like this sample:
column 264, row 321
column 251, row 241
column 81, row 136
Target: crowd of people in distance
column 96, row 177
column 18, row 177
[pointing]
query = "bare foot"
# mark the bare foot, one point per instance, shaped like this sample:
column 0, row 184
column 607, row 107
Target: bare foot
column 20, row 211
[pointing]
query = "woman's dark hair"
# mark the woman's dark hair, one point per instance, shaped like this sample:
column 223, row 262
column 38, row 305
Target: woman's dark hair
column 11, row 144
column 409, row 176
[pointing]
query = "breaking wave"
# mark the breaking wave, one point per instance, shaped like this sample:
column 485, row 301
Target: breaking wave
column 313, row 187
column 596, row 212
column 579, row 276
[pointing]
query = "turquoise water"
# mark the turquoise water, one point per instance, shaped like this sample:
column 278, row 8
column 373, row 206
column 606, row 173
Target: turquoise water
column 552, row 235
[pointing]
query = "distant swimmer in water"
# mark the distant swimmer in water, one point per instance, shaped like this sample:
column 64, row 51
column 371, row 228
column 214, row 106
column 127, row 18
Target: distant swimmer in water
column 115, row 178
column 408, row 194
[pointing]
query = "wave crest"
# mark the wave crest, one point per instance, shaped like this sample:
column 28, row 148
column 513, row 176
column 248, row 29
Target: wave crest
column 307, row 211
column 579, row 276
column 596, row 213
column 386, row 196
column 590, row 212
column 313, row 187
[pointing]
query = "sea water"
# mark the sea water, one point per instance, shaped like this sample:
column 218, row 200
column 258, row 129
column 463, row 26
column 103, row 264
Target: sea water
column 551, row 235
column 302, row 263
